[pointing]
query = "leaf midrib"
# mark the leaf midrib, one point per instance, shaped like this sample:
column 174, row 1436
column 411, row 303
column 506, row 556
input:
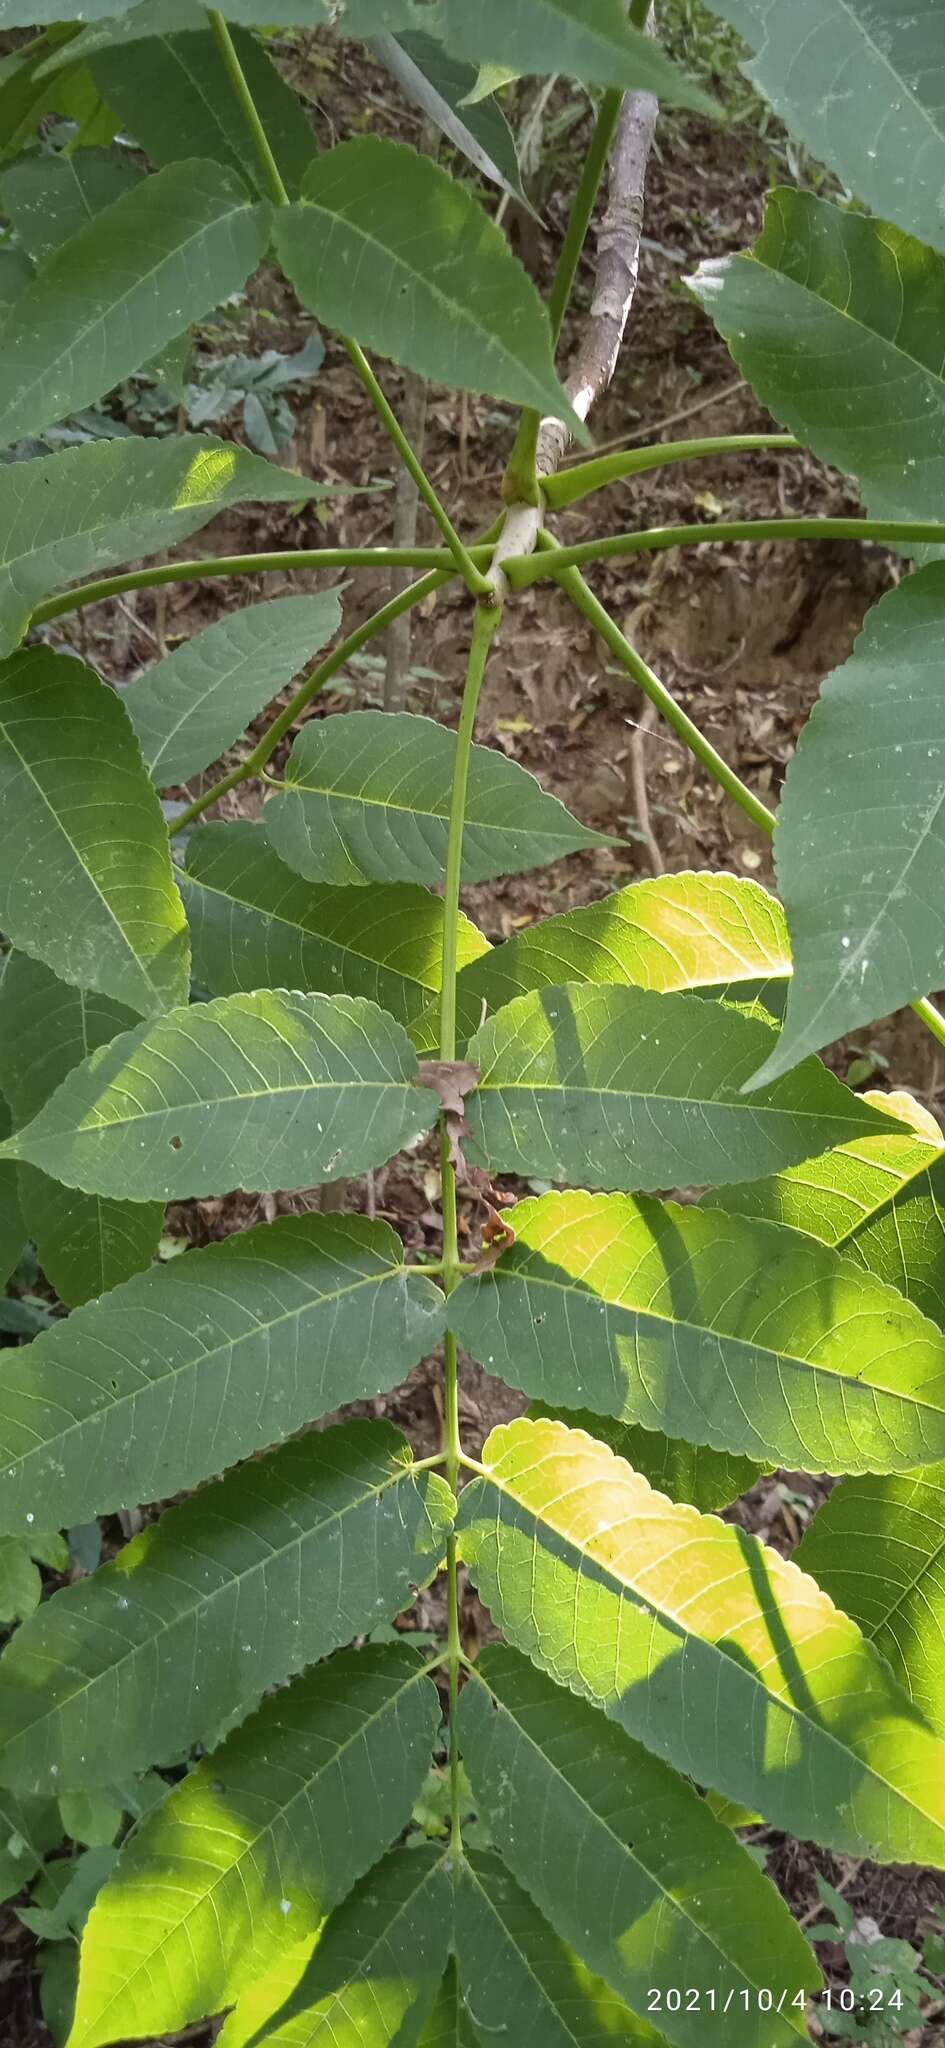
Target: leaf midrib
column 533, row 946
column 609, row 45
column 669, row 1898
column 853, row 320
column 196, row 81
column 264, row 1564
column 928, row 1565
column 250, row 1846
column 899, row 79
column 931, row 1559
column 197, row 1364
column 884, row 1205
column 788, row 1358
column 474, row 824
column 334, row 1996
column 487, row 341
column 305, row 931
column 543, row 1995
column 81, row 336
column 894, row 894
column 60, row 828
column 890, row 1201
column 745, row 1106
column 180, row 1109
column 624, row 1591
column 104, row 521
column 194, row 706
column 190, row 712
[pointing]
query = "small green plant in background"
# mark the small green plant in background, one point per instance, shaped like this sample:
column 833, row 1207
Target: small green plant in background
column 889, row 1993
column 289, row 1813
column 221, row 388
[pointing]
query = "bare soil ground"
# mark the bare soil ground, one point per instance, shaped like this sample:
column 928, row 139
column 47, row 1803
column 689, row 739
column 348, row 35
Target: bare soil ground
column 743, row 638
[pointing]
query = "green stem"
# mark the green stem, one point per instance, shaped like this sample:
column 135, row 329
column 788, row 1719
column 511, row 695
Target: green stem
column 608, row 114
column 574, row 585
column 930, row 1017
column 577, row 590
column 240, row 86
column 583, row 477
column 377, row 623
column 579, row 219
column 485, row 622
column 521, row 486
column 265, row 748
column 484, row 625
column 471, row 576
column 521, row 481
column 462, row 556
column 435, row 559
column 521, row 570
column 453, row 1641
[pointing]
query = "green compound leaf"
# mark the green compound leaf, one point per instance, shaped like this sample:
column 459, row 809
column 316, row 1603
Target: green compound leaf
column 877, row 1546
column 374, row 1973
column 199, row 699
column 49, row 198
column 686, row 1631
column 255, row 924
column 386, row 246
column 881, row 1201
column 270, row 1569
column 174, row 1376
column 249, row 1853
column 174, row 95
column 614, row 1848
column 708, row 1479
column 73, row 514
column 727, row 1332
column 85, row 1244
column 87, row 883
column 716, row 934
column 860, row 82
column 124, row 286
column 586, row 39
column 516, row 1974
column 624, row 1088
column 46, row 1028
column 367, row 797
column 271, row 1090
column 861, row 828
column 827, row 310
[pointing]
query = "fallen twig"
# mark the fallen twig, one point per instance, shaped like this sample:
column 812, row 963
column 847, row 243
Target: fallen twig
column 618, row 262
column 641, row 803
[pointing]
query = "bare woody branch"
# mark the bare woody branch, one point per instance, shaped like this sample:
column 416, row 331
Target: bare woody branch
column 618, row 263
